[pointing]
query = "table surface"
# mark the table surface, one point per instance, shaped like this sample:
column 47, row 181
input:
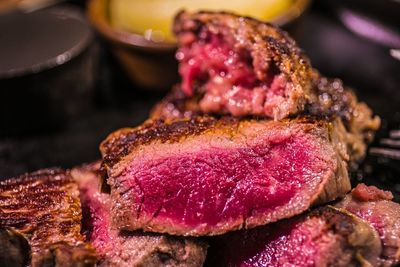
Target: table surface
column 334, row 50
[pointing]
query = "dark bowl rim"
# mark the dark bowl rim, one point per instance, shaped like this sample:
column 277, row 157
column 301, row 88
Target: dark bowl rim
column 62, row 58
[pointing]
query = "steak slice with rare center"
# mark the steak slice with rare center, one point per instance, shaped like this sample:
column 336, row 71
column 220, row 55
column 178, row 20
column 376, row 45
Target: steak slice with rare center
column 363, row 229
column 44, row 209
column 207, row 176
column 375, row 206
column 237, row 65
column 241, row 66
column 324, row 237
column 121, row 249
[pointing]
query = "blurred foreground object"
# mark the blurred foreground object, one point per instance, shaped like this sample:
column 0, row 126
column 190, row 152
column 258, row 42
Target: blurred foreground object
column 140, row 31
column 135, row 16
column 26, row 5
column 46, row 69
column 377, row 21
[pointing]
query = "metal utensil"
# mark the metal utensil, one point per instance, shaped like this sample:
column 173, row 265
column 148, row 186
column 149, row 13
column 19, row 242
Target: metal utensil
column 390, row 146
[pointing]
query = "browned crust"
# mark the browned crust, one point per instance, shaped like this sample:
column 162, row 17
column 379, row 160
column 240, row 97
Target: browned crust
column 267, row 45
column 121, row 142
column 44, row 206
column 334, row 101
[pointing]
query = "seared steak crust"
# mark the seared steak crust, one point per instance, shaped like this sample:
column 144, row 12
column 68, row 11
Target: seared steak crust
column 120, row 143
column 44, row 207
column 334, row 102
column 206, row 160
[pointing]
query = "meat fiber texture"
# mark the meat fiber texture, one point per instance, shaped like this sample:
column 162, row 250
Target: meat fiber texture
column 377, row 208
column 324, row 237
column 40, row 215
column 361, row 230
column 207, row 176
column 240, row 66
column 121, row 249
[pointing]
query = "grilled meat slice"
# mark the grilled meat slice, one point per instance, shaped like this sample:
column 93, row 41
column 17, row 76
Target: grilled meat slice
column 207, row 176
column 44, row 208
column 121, row 249
column 375, row 206
column 335, row 102
column 360, row 230
column 324, row 237
column 241, row 66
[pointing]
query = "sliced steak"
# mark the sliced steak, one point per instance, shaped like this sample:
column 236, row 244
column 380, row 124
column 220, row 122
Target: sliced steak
column 240, row 66
column 337, row 102
column 360, row 230
column 324, row 237
column 44, row 209
column 207, row 176
column 129, row 248
column 375, row 206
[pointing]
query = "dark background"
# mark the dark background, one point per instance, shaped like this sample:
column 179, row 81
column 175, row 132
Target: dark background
column 334, row 50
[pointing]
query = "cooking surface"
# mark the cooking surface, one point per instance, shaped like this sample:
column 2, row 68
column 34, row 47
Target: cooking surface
column 333, row 50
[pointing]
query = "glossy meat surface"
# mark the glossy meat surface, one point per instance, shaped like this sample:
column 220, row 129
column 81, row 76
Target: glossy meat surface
column 375, row 206
column 206, row 176
column 323, row 237
column 241, row 66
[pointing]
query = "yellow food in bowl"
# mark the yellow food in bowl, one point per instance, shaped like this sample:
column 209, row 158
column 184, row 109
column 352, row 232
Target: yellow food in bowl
column 153, row 18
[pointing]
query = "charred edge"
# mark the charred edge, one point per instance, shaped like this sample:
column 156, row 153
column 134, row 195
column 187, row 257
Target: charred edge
column 121, row 143
column 44, row 176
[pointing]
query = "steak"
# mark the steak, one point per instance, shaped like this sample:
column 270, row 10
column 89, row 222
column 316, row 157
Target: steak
column 207, row 176
column 360, row 230
column 241, row 66
column 356, row 117
column 40, row 215
column 129, row 248
column 375, row 206
column 324, row 237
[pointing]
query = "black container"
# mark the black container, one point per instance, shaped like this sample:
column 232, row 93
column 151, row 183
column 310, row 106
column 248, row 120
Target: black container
column 47, row 67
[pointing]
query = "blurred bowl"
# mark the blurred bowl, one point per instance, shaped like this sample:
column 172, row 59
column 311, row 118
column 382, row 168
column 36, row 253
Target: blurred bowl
column 149, row 64
column 150, row 60
column 46, row 69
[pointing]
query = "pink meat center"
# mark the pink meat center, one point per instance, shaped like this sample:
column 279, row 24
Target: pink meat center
column 225, row 185
column 96, row 219
column 227, row 77
column 286, row 244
